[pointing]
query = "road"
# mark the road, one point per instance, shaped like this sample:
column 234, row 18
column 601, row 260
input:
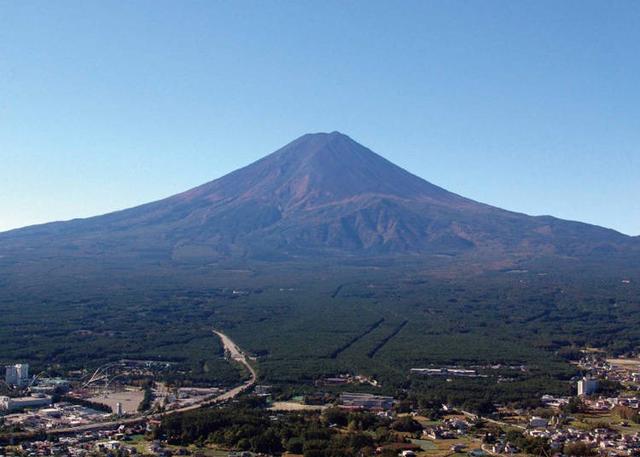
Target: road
column 230, row 347
column 492, row 421
column 236, row 354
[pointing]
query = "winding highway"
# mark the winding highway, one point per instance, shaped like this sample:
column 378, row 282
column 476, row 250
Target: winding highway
column 240, row 357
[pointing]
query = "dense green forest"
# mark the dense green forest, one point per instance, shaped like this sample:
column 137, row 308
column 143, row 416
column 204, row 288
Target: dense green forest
column 305, row 322
column 56, row 336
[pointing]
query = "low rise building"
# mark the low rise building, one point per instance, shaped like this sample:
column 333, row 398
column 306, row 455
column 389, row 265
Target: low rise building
column 538, row 422
column 366, row 401
column 18, row 403
column 457, row 372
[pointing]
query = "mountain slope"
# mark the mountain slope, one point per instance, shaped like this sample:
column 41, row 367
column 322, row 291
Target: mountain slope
column 322, row 194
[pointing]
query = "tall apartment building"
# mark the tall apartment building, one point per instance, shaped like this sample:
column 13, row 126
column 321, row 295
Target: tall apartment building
column 587, row 386
column 17, row 375
column 11, row 375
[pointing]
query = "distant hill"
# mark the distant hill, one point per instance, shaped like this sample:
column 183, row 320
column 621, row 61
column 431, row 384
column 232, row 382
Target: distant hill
column 321, row 196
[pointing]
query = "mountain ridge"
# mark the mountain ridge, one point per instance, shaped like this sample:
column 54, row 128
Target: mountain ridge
column 322, row 193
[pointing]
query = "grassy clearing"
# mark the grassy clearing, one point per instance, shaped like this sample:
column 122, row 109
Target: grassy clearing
column 592, row 420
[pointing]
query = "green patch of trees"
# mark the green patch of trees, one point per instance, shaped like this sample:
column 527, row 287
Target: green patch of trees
column 246, row 427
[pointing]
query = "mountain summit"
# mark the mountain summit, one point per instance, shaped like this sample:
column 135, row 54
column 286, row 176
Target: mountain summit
column 321, row 168
column 321, row 194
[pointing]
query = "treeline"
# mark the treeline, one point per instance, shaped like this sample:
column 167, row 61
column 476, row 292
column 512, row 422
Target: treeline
column 90, row 332
column 247, row 427
column 626, row 413
column 147, row 399
column 479, row 395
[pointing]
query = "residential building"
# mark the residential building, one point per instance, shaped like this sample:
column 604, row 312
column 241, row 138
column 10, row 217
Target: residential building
column 17, row 375
column 538, row 422
column 587, row 386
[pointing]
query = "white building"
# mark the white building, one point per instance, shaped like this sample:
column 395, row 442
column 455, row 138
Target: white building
column 587, row 386
column 538, row 422
column 17, row 375
column 14, row 404
column 366, row 401
column 11, row 375
column 107, row 445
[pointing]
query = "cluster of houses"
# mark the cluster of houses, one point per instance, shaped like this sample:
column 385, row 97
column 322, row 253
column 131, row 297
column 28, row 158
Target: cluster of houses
column 41, row 448
column 609, row 441
column 105, row 443
column 503, row 447
column 345, row 378
column 448, row 429
column 601, row 440
column 85, row 444
column 609, row 403
column 600, row 367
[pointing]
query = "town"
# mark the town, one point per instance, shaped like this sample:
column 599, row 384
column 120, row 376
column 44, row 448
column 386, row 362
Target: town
column 56, row 416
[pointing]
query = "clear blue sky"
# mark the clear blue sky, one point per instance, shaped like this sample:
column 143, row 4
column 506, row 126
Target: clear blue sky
column 531, row 106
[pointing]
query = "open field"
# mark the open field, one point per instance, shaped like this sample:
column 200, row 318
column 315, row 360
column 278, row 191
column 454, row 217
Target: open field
column 627, row 364
column 294, row 406
column 130, row 399
column 595, row 419
column 442, row 448
column 142, row 447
